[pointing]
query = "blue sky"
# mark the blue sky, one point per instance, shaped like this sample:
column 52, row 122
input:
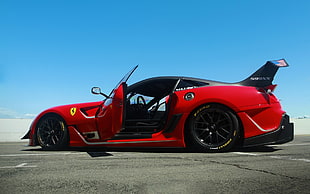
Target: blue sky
column 53, row 51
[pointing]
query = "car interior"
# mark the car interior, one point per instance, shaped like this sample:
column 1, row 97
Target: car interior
column 148, row 103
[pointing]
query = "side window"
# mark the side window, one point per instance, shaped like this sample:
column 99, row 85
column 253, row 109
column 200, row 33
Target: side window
column 162, row 104
column 188, row 84
column 138, row 99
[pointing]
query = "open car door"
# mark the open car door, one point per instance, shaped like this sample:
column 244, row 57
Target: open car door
column 110, row 118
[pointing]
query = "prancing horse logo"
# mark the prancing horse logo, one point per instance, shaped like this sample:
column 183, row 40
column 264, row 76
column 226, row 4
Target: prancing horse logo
column 73, row 111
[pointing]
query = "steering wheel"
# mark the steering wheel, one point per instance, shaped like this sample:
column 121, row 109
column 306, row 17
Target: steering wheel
column 141, row 99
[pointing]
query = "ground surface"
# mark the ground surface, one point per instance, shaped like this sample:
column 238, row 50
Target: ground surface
column 269, row 169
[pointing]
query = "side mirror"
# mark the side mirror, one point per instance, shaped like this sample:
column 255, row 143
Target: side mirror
column 97, row 91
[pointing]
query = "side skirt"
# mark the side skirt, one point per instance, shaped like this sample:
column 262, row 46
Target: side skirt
column 79, row 140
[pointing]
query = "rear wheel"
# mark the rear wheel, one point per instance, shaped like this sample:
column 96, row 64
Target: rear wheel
column 212, row 128
column 52, row 132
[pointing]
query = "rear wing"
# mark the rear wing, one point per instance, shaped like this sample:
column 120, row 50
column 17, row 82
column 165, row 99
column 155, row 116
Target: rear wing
column 263, row 77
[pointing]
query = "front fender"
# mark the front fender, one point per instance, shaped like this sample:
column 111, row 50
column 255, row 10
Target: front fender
column 73, row 114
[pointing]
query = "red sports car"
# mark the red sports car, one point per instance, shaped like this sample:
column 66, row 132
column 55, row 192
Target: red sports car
column 205, row 115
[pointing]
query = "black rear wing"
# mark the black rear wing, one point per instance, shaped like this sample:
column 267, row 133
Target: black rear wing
column 263, row 77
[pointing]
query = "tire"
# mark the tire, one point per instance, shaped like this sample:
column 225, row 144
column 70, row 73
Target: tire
column 52, row 132
column 212, row 128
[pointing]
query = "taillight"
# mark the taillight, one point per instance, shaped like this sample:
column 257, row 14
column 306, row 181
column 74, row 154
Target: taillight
column 269, row 89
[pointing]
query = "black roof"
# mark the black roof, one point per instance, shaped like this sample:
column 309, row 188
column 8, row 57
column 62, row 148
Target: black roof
column 162, row 86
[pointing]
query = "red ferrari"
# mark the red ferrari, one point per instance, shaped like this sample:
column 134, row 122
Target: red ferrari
column 208, row 116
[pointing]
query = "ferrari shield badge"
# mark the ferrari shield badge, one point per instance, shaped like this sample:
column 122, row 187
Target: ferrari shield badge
column 73, row 111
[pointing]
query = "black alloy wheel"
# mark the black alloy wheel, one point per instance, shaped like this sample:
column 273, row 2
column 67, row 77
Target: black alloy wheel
column 212, row 128
column 52, row 132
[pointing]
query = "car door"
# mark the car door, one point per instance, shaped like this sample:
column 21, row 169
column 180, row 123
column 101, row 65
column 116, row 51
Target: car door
column 110, row 117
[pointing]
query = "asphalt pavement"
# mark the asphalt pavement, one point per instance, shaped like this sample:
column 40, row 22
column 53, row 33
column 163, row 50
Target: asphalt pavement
column 268, row 169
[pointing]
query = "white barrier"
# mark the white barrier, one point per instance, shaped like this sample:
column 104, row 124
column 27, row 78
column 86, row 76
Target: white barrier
column 301, row 126
column 11, row 130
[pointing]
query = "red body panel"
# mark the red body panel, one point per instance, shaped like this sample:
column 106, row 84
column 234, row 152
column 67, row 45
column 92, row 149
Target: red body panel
column 258, row 112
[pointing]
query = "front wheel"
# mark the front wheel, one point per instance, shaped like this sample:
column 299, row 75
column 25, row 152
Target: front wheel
column 212, row 128
column 52, row 132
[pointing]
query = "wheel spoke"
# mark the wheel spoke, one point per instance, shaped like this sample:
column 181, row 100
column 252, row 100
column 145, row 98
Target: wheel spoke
column 204, row 121
column 47, row 140
column 44, row 131
column 210, row 137
column 201, row 134
column 45, row 126
column 218, row 134
column 216, row 117
column 221, row 120
column 54, row 139
column 210, row 117
column 51, row 124
column 226, row 131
